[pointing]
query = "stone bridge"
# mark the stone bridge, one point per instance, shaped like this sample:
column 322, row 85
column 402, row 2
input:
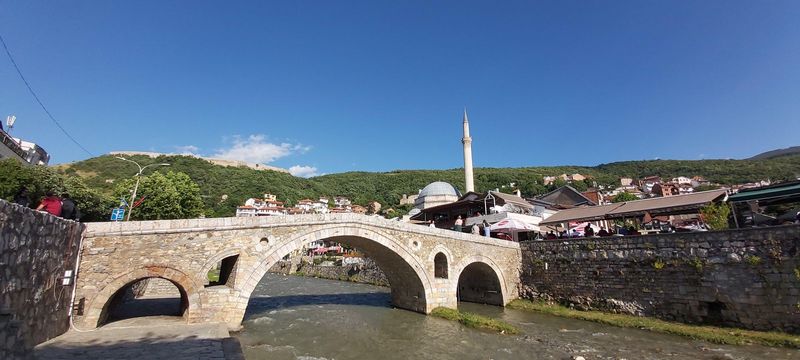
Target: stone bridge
column 426, row 267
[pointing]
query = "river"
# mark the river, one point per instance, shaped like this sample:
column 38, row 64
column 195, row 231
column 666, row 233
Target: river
column 293, row 317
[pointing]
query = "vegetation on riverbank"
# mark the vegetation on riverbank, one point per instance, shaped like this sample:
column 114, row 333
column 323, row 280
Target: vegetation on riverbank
column 718, row 335
column 475, row 320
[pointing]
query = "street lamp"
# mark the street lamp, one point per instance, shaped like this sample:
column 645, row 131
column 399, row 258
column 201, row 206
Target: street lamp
column 138, row 177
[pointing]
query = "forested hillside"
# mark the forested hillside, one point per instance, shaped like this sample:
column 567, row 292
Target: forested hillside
column 223, row 188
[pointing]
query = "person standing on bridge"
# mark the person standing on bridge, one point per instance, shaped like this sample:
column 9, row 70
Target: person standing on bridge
column 458, row 225
column 476, row 230
column 487, row 229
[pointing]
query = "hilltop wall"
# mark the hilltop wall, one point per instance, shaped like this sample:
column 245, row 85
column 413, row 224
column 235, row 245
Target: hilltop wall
column 746, row 278
column 35, row 250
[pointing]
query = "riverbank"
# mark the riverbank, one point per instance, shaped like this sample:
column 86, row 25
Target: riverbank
column 717, row 335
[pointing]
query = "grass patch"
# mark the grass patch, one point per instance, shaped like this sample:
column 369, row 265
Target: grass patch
column 213, row 275
column 717, row 335
column 475, row 320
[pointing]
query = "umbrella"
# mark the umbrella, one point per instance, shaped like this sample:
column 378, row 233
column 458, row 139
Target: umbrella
column 513, row 225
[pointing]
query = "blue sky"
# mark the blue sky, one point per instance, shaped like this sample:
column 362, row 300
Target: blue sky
column 333, row 86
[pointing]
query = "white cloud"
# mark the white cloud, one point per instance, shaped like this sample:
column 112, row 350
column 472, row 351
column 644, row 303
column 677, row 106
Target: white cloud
column 187, row 149
column 255, row 149
column 303, row 171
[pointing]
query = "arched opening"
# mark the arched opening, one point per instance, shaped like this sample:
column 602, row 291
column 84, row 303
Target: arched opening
column 440, row 266
column 479, row 283
column 223, row 273
column 406, row 287
column 151, row 296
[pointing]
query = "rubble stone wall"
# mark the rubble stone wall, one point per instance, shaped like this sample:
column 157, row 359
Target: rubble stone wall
column 747, row 278
column 35, row 250
column 365, row 273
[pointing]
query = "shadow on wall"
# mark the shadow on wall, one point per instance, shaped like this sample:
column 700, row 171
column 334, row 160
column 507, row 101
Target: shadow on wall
column 261, row 304
column 150, row 347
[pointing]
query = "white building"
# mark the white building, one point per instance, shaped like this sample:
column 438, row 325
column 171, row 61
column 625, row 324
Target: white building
column 267, row 206
column 308, row 206
column 23, row 151
column 680, row 180
column 342, row 203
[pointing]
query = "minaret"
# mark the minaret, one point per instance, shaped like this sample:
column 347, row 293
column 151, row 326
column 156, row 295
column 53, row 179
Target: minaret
column 467, row 141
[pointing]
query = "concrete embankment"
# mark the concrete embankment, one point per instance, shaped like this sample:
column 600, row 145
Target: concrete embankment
column 145, row 338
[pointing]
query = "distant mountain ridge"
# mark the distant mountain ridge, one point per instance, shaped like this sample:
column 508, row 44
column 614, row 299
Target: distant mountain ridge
column 794, row 150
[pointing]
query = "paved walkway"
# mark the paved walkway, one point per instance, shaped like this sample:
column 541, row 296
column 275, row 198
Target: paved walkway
column 154, row 337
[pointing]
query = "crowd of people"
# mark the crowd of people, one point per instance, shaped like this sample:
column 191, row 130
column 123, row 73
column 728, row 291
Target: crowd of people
column 588, row 231
column 475, row 229
column 61, row 206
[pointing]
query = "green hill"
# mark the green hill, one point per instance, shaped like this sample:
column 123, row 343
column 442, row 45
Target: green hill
column 794, row 150
column 223, row 188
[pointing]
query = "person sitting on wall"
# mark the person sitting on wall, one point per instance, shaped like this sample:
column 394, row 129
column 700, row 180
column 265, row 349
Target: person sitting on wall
column 633, row 232
column 603, row 233
column 69, row 210
column 21, row 198
column 51, row 204
column 588, row 231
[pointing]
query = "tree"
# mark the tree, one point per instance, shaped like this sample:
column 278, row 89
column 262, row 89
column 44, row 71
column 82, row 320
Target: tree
column 160, row 197
column 623, row 197
column 716, row 215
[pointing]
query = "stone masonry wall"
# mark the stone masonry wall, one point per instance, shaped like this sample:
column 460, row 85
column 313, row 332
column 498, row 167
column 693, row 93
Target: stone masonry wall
column 746, row 278
column 35, row 250
column 366, row 273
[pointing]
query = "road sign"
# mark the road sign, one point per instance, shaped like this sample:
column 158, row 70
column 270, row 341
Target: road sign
column 118, row 214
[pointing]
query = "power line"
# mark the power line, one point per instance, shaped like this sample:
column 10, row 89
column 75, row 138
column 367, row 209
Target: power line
column 8, row 52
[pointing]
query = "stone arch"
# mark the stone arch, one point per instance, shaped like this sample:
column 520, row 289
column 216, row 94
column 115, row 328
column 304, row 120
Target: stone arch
column 488, row 267
column 98, row 306
column 440, row 249
column 216, row 259
column 407, row 275
column 440, row 267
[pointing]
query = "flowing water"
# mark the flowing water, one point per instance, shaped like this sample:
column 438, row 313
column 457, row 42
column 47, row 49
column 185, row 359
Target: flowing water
column 293, row 317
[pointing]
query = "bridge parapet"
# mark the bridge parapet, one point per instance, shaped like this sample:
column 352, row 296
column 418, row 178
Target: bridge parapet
column 242, row 223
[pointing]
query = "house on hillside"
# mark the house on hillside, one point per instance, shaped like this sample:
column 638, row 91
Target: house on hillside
column 266, row 206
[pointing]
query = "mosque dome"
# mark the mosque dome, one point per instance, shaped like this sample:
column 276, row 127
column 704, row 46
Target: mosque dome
column 439, row 188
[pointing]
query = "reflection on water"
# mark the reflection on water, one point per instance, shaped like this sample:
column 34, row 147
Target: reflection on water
column 292, row 317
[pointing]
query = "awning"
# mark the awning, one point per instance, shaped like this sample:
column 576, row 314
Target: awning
column 513, row 225
column 788, row 190
column 670, row 205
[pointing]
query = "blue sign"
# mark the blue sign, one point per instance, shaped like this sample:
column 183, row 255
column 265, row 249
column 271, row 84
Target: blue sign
column 118, row 214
